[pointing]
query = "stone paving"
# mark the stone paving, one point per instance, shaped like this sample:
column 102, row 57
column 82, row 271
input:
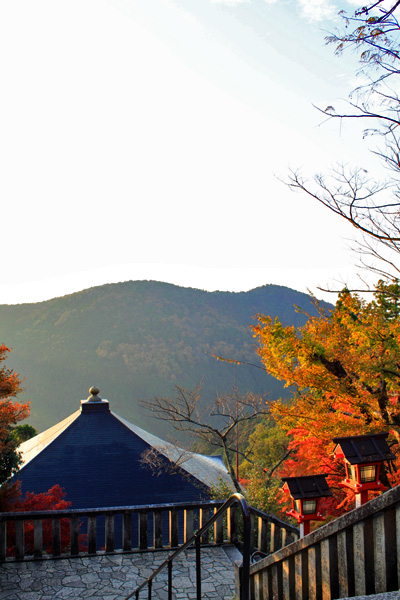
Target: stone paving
column 113, row 577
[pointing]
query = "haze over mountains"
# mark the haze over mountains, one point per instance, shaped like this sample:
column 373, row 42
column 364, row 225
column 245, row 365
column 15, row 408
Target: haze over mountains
column 138, row 339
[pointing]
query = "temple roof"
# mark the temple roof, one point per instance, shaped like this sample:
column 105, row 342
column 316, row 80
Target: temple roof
column 95, row 452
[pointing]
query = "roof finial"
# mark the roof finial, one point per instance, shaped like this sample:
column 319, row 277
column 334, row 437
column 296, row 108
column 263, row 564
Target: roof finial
column 94, row 391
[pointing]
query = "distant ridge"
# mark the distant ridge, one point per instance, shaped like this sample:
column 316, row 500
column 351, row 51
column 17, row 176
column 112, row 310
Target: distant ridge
column 138, row 339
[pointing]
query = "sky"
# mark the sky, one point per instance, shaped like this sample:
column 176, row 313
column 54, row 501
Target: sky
column 149, row 140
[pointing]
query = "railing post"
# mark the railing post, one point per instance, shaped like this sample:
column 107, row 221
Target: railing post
column 343, row 565
column 329, row 568
column 390, row 544
column 204, row 517
column 233, row 524
column 173, row 528
column 109, row 531
column 238, row 579
column 3, row 540
column 127, row 532
column 262, row 542
column 299, row 580
column 158, row 529
column 74, row 535
column 218, row 529
column 275, row 538
column 288, row 591
column 314, row 569
column 56, row 536
column 92, row 541
column 187, row 524
column 252, row 534
column 143, row 542
column 19, row 539
column 397, row 526
column 287, row 537
column 277, row 581
column 359, row 555
column 38, row 538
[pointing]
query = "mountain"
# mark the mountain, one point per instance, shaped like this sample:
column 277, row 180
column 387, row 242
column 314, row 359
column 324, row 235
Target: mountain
column 138, row 339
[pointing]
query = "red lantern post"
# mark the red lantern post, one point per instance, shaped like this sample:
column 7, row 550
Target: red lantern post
column 363, row 456
column 306, row 493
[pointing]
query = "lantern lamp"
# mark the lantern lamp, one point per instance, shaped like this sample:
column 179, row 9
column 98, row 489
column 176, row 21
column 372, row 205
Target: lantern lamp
column 306, row 492
column 363, row 456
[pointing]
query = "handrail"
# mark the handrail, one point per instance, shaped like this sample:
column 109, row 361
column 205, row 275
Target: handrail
column 275, row 520
column 117, row 510
column 357, row 554
column 245, row 569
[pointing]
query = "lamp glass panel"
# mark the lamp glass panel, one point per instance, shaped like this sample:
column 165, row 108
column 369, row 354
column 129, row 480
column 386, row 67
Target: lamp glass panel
column 352, row 469
column 367, row 473
column 297, row 506
column 309, row 507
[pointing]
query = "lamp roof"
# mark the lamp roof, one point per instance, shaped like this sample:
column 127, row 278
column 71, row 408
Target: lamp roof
column 307, row 486
column 363, row 448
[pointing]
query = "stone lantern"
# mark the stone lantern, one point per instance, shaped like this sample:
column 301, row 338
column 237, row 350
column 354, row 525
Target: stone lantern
column 363, row 456
column 306, row 493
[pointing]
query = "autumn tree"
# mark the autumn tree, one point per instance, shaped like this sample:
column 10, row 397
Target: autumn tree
column 372, row 207
column 53, row 499
column 216, row 424
column 11, row 412
column 344, row 369
column 11, row 499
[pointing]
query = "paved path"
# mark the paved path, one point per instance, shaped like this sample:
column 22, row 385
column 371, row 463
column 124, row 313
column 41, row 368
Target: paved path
column 113, row 577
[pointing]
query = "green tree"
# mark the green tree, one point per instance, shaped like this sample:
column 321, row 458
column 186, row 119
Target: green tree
column 22, row 433
column 10, row 458
column 261, row 477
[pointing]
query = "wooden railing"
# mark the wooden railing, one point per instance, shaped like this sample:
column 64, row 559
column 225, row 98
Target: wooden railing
column 80, row 532
column 234, row 502
column 355, row 555
column 271, row 533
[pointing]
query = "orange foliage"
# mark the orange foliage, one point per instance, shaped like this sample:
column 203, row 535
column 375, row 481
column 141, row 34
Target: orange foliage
column 11, row 413
column 344, row 367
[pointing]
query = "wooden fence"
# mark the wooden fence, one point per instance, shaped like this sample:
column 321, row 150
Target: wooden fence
column 355, row 555
column 69, row 533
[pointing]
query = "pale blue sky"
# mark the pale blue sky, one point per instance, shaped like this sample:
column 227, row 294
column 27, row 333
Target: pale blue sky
column 143, row 140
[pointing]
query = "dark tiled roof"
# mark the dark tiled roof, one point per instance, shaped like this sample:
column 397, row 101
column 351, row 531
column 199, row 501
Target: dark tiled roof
column 308, row 486
column 95, row 457
column 364, row 448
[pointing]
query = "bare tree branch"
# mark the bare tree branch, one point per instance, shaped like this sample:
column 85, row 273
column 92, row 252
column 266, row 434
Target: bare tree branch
column 217, row 424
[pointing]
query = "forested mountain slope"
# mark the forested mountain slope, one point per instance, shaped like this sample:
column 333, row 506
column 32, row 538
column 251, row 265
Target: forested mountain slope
column 138, row 339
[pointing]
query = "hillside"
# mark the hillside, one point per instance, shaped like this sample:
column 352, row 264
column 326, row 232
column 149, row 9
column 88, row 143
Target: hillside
column 138, row 339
